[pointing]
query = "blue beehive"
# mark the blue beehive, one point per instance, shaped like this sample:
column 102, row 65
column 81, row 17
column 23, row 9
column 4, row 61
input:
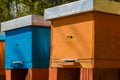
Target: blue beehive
column 27, row 42
column 2, row 36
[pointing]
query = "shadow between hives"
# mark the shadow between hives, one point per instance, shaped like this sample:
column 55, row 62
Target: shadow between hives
column 68, row 74
column 19, row 74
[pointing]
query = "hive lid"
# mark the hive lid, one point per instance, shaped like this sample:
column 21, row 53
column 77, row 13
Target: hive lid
column 81, row 6
column 2, row 36
column 23, row 22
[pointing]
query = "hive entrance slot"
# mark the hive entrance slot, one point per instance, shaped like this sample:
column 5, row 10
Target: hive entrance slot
column 17, row 44
column 69, row 36
column 70, row 60
column 17, row 64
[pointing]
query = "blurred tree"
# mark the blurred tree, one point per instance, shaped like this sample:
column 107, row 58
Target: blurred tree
column 10, row 9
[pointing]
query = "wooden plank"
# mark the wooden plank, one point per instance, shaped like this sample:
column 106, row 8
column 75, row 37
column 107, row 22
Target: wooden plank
column 2, row 69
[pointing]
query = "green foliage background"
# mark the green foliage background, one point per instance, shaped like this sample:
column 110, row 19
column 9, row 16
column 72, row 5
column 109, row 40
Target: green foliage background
column 10, row 9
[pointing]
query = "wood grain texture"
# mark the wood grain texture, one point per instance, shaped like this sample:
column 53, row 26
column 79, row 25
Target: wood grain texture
column 2, row 51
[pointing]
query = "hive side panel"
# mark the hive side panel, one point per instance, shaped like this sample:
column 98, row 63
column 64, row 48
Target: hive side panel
column 2, row 36
column 107, row 40
column 41, row 47
column 2, row 52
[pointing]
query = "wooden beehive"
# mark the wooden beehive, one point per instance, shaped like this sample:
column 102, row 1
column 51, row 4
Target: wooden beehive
column 27, row 42
column 85, row 34
column 2, row 51
column 27, row 74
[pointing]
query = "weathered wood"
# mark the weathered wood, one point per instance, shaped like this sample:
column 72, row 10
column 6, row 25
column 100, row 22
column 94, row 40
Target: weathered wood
column 30, row 20
column 82, row 6
column 2, row 69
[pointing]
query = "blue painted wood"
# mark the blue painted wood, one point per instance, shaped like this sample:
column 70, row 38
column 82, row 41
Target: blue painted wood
column 27, row 47
column 41, row 46
column 2, row 36
column 18, row 47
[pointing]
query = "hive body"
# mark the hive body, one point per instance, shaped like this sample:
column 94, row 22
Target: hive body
column 85, row 35
column 92, row 38
column 27, row 45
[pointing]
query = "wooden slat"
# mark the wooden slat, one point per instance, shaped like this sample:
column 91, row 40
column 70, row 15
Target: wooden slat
column 2, row 69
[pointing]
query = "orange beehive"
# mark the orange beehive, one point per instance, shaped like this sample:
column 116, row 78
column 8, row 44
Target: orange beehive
column 85, row 35
column 27, row 74
column 83, row 74
column 2, row 50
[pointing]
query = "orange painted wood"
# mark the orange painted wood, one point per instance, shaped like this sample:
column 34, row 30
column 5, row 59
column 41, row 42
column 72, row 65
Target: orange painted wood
column 38, row 74
column 91, row 37
column 86, row 74
column 8, row 74
column 2, row 69
column 53, row 73
column 27, row 74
